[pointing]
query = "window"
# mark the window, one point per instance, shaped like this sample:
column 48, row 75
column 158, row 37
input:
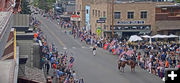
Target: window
column 130, row 15
column 98, row 13
column 93, row 12
column 80, row 7
column 144, row 14
column 104, row 14
column 117, row 15
column 87, row 11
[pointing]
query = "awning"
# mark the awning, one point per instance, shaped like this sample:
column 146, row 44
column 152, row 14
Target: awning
column 168, row 25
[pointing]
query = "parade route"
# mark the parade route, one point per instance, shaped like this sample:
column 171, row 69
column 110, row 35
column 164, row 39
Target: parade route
column 101, row 68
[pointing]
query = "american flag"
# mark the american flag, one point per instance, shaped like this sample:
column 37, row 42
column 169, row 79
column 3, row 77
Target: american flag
column 130, row 52
column 67, row 79
column 117, row 50
column 112, row 43
column 122, row 54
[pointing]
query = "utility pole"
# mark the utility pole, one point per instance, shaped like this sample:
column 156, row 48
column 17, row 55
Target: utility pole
column 112, row 27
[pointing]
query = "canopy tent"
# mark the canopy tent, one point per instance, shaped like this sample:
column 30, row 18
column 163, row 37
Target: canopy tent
column 146, row 36
column 134, row 38
column 172, row 36
column 160, row 36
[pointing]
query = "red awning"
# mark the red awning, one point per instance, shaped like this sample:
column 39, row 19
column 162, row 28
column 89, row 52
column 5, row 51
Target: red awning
column 75, row 16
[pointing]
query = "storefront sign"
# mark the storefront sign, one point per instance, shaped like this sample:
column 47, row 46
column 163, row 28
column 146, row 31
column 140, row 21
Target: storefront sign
column 75, row 18
column 100, row 21
column 131, row 22
column 131, row 27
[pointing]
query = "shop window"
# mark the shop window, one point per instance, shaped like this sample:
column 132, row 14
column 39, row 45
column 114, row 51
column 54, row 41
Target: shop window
column 144, row 14
column 117, row 15
column 130, row 15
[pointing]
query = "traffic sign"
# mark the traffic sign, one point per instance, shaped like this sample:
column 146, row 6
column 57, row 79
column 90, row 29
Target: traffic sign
column 98, row 31
column 103, row 18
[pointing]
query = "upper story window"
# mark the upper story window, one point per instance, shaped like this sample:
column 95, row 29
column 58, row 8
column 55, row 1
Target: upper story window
column 104, row 14
column 144, row 14
column 87, row 11
column 99, row 13
column 117, row 15
column 130, row 15
column 95, row 12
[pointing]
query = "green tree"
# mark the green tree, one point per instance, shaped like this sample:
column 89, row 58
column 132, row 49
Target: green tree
column 178, row 1
column 25, row 7
column 44, row 4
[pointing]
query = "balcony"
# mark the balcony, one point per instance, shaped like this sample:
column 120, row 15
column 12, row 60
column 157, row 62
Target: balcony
column 168, row 16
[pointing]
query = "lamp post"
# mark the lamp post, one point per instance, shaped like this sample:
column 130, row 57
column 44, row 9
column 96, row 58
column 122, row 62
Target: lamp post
column 112, row 19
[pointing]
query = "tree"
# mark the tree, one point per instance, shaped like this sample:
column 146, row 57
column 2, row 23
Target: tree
column 178, row 1
column 44, row 4
column 25, row 7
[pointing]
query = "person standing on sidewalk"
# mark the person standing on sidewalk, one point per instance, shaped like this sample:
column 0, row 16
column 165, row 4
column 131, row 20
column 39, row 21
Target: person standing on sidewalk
column 47, row 68
column 94, row 50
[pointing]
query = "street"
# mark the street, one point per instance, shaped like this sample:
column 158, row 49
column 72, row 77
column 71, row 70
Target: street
column 101, row 68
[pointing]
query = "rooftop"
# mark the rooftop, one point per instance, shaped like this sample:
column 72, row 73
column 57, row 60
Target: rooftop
column 170, row 5
column 7, row 70
column 4, row 16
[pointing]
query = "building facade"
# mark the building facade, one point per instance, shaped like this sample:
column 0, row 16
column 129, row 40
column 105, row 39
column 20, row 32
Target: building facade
column 130, row 18
column 168, row 19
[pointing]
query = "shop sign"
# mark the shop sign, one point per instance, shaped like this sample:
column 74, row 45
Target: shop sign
column 131, row 22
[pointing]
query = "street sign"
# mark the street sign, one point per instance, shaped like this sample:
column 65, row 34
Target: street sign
column 103, row 18
column 98, row 31
column 100, row 21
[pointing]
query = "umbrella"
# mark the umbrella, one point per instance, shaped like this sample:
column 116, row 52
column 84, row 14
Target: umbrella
column 172, row 36
column 134, row 38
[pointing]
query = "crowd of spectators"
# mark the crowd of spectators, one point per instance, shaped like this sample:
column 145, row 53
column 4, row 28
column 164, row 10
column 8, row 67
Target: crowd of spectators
column 61, row 64
column 154, row 57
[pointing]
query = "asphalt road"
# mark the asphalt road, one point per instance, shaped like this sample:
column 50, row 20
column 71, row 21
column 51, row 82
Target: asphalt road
column 101, row 68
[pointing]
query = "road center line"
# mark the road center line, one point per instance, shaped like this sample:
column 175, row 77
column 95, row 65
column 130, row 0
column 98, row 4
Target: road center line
column 59, row 41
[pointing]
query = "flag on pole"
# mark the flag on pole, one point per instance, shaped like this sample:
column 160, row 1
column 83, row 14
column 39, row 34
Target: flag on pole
column 67, row 79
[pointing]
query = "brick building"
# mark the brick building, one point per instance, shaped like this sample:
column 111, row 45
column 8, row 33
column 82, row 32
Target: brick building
column 130, row 18
column 168, row 19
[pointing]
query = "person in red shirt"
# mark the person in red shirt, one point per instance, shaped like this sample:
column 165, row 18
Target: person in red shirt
column 54, row 67
column 178, row 66
column 138, row 57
